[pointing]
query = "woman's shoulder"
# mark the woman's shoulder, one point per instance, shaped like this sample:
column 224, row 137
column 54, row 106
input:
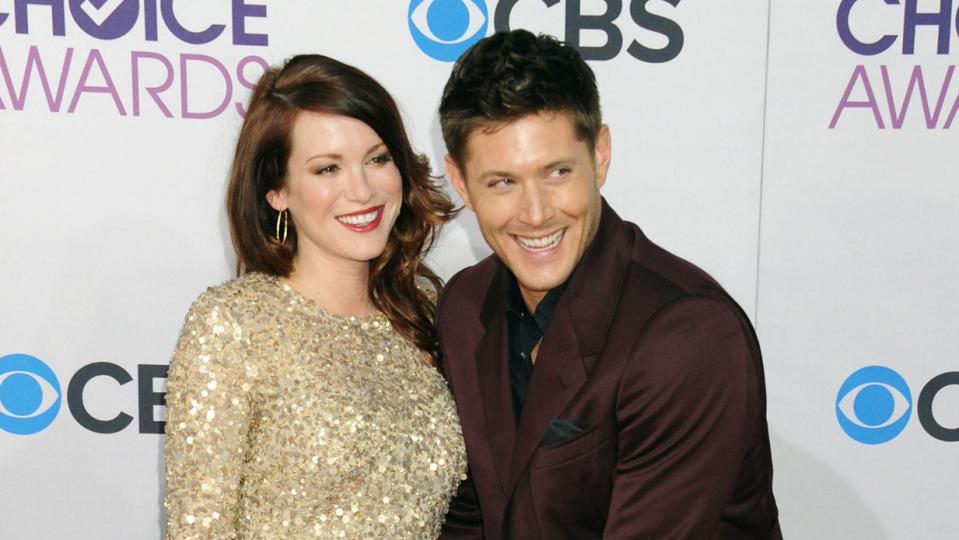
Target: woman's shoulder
column 236, row 295
column 428, row 288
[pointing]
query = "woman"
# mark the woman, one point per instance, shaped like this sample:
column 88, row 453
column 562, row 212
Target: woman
column 302, row 398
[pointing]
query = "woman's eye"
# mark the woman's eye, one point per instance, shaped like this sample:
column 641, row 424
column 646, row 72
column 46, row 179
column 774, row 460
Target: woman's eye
column 381, row 159
column 329, row 169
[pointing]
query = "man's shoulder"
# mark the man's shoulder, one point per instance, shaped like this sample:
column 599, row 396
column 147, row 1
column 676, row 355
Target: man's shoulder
column 458, row 310
column 467, row 288
column 660, row 285
column 656, row 281
column 652, row 266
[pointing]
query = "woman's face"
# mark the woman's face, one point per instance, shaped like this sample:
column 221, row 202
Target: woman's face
column 342, row 190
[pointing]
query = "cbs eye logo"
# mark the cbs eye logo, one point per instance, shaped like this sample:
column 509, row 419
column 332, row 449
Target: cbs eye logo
column 29, row 394
column 444, row 29
column 874, row 405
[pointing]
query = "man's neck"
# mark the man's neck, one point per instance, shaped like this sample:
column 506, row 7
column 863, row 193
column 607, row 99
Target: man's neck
column 531, row 298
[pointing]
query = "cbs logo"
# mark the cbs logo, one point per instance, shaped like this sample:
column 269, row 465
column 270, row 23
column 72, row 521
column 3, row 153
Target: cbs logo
column 874, row 404
column 29, row 394
column 444, row 29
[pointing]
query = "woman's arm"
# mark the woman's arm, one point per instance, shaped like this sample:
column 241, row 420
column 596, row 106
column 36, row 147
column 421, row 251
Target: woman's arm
column 208, row 417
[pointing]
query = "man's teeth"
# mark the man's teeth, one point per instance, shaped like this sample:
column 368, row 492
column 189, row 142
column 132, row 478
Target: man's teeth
column 361, row 219
column 540, row 244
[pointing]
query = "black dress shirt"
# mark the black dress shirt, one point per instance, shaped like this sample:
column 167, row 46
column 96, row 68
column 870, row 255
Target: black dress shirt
column 525, row 331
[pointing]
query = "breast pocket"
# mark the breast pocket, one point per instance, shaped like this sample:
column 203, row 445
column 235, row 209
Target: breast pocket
column 592, row 440
column 572, row 483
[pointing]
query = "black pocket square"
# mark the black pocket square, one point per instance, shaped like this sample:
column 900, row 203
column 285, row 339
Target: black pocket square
column 560, row 430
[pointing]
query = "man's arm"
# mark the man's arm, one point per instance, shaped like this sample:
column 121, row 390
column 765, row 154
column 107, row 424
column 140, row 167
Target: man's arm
column 464, row 520
column 687, row 406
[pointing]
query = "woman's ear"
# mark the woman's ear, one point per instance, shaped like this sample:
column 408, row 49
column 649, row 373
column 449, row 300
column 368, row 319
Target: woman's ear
column 277, row 199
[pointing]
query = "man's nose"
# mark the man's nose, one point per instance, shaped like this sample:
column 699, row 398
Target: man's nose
column 535, row 208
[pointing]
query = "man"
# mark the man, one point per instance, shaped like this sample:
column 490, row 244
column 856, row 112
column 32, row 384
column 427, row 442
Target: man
column 606, row 388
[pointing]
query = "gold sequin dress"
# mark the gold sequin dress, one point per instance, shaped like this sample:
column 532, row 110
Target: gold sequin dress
column 284, row 421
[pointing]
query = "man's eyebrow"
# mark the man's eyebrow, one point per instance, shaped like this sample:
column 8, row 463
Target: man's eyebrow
column 494, row 173
column 558, row 163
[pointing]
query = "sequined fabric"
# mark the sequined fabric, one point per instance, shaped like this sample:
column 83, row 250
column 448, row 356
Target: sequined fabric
column 284, row 421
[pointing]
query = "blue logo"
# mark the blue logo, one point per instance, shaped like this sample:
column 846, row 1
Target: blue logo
column 874, row 405
column 444, row 29
column 29, row 394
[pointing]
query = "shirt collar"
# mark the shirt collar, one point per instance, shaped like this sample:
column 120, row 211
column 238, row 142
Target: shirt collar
column 544, row 311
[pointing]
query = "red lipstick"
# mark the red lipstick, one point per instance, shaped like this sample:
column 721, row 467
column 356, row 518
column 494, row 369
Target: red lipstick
column 362, row 226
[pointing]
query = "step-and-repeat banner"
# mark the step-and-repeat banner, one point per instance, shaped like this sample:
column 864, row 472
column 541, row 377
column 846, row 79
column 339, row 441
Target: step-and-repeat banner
column 801, row 152
column 859, row 266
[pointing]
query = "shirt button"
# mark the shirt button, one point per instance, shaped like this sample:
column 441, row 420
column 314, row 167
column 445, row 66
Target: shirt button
column 522, row 355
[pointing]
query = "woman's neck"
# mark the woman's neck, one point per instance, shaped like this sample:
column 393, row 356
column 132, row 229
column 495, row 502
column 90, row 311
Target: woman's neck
column 340, row 287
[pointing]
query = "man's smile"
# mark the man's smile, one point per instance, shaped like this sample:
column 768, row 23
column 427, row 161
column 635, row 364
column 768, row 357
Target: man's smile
column 542, row 243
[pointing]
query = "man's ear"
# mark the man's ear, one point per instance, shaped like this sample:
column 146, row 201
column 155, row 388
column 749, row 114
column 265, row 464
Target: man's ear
column 277, row 199
column 458, row 180
column 602, row 154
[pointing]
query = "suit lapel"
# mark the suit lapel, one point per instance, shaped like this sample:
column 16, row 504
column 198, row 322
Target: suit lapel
column 556, row 378
column 492, row 369
column 574, row 338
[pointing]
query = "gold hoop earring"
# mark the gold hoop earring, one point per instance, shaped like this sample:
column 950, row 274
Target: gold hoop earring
column 283, row 216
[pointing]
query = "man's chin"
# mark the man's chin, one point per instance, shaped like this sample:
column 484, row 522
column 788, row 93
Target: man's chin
column 536, row 272
column 535, row 282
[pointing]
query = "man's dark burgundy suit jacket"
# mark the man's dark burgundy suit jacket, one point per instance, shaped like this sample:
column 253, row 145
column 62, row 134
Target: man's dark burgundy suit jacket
column 654, row 362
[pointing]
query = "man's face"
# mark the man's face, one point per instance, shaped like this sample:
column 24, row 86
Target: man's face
column 534, row 187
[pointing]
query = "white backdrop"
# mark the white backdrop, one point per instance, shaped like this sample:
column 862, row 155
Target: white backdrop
column 858, row 267
column 839, row 241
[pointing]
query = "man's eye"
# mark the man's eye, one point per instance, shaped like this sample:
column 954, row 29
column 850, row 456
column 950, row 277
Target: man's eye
column 560, row 172
column 499, row 182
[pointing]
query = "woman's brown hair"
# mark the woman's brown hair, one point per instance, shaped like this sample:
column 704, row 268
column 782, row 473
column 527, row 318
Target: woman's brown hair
column 321, row 84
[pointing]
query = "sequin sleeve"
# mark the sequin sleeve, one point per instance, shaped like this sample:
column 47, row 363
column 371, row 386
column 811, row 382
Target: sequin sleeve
column 208, row 417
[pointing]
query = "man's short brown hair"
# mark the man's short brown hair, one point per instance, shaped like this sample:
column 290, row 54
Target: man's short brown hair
column 510, row 75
